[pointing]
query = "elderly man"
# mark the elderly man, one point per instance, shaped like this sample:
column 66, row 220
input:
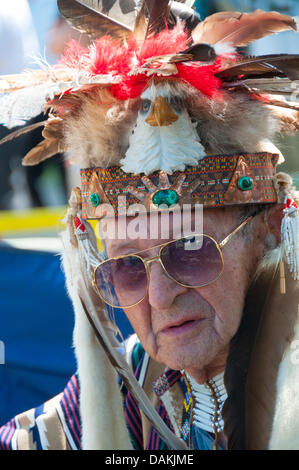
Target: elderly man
column 190, row 306
column 162, row 129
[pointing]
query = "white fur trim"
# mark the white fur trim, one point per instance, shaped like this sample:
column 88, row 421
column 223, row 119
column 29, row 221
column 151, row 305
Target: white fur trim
column 171, row 410
column 103, row 422
column 285, row 427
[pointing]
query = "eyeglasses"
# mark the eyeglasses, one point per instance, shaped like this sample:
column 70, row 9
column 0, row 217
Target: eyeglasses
column 194, row 261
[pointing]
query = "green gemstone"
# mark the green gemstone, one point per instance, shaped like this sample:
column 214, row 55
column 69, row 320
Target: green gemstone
column 165, row 196
column 245, row 183
column 94, row 199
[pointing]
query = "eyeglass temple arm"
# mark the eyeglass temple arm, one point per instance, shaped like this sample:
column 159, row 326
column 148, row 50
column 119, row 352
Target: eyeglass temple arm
column 226, row 239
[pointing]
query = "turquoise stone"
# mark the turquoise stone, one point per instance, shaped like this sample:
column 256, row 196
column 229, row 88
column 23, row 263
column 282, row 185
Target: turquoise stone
column 169, row 197
column 94, row 199
column 245, row 183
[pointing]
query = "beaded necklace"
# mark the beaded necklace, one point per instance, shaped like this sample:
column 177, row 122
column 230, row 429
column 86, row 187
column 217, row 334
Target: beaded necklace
column 203, row 405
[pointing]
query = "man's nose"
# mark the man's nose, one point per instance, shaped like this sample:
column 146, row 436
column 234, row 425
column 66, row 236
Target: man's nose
column 162, row 290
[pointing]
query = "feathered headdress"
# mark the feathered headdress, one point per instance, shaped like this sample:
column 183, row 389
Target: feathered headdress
column 162, row 104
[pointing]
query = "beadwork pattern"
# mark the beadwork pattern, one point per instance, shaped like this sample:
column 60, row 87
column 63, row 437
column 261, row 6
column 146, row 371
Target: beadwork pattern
column 213, row 180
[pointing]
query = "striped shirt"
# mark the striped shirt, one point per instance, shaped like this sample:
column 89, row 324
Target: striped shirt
column 60, row 416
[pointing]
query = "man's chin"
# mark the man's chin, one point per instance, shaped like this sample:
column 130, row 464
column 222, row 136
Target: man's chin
column 183, row 358
column 180, row 353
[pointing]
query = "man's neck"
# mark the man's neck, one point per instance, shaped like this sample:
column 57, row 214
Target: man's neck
column 201, row 376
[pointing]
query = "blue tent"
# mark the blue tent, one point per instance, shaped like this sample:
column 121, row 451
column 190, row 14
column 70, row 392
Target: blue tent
column 36, row 325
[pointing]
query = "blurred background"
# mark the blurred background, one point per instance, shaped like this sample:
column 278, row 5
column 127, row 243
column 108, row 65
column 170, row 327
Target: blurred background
column 36, row 318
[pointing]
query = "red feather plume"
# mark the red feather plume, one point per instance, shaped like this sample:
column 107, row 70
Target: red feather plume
column 109, row 56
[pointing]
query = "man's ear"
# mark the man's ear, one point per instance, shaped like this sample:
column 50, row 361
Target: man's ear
column 273, row 219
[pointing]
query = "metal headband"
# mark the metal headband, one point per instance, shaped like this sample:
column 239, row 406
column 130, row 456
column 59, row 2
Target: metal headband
column 217, row 181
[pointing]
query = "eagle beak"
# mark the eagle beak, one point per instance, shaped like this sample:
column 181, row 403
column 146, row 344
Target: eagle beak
column 161, row 113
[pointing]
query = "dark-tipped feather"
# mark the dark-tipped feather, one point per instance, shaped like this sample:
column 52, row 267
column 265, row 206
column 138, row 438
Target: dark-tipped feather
column 198, row 52
column 127, row 6
column 23, row 130
column 44, row 150
column 50, row 146
column 154, row 15
column 185, row 13
column 268, row 65
column 201, row 52
column 275, row 86
column 151, row 18
column 240, row 29
column 87, row 18
column 283, row 104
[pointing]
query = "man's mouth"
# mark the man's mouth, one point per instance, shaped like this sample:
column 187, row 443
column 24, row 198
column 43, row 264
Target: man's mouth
column 181, row 327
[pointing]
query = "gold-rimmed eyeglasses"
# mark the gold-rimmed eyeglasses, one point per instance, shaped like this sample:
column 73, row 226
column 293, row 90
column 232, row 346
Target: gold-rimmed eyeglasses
column 192, row 262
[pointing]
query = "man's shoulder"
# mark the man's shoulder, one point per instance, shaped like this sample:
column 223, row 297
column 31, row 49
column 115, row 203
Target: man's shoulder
column 54, row 425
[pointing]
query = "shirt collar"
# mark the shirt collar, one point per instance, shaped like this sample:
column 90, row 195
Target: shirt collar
column 165, row 381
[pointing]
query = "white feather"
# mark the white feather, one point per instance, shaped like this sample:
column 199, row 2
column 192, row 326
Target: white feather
column 286, row 418
column 167, row 148
column 19, row 106
column 103, row 422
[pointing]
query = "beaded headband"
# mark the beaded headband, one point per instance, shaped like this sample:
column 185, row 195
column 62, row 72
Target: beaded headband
column 216, row 181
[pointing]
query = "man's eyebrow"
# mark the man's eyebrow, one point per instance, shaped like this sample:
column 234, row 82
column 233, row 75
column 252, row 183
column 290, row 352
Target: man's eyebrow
column 122, row 250
column 135, row 250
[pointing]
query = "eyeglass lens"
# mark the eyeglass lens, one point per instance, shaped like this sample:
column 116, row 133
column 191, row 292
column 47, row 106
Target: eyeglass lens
column 194, row 262
column 122, row 282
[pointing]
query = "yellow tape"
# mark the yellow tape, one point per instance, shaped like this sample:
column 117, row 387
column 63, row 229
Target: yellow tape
column 33, row 221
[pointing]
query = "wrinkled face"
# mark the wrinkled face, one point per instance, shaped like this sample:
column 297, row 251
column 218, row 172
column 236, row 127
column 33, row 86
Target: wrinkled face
column 190, row 328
